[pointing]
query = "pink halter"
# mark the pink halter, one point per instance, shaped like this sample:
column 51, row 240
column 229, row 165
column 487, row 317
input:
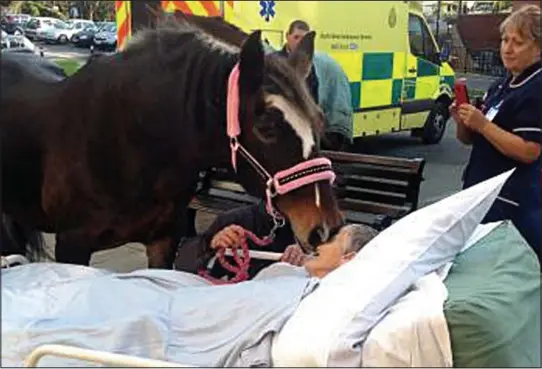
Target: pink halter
column 302, row 174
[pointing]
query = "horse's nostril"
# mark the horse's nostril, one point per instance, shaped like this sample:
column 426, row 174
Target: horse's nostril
column 317, row 236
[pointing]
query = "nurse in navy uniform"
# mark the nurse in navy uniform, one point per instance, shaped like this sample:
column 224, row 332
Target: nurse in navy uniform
column 505, row 133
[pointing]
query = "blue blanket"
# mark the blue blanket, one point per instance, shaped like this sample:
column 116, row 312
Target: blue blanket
column 157, row 314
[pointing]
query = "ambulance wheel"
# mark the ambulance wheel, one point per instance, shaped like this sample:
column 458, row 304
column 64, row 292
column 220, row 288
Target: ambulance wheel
column 433, row 130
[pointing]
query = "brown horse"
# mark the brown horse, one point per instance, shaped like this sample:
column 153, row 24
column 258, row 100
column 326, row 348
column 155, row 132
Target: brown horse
column 112, row 154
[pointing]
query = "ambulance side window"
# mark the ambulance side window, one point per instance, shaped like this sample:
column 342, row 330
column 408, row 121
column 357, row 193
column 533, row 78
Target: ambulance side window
column 421, row 44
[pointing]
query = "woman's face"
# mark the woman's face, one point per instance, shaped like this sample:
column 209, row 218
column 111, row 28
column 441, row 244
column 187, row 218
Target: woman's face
column 329, row 256
column 518, row 52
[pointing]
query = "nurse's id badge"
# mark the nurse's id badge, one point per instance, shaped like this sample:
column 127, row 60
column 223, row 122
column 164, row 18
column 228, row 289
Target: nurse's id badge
column 493, row 111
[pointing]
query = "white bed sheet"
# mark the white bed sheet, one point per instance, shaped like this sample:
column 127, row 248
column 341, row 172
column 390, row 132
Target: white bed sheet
column 414, row 333
column 146, row 313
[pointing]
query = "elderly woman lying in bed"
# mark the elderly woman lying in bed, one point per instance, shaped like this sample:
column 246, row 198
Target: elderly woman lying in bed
column 227, row 232
column 328, row 257
column 162, row 314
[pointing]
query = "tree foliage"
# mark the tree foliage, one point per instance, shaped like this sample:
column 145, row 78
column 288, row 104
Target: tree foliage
column 96, row 10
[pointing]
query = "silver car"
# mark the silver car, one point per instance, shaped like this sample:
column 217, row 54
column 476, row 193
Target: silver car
column 18, row 43
column 36, row 27
column 106, row 38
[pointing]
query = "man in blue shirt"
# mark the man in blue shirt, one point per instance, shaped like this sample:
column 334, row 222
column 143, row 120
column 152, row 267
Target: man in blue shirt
column 297, row 30
column 506, row 132
column 338, row 132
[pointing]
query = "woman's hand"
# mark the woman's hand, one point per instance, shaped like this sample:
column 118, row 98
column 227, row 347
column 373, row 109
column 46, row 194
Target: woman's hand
column 294, row 255
column 229, row 237
column 472, row 118
column 454, row 112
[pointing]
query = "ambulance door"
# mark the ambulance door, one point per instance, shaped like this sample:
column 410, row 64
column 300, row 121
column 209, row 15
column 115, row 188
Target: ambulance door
column 273, row 37
column 421, row 75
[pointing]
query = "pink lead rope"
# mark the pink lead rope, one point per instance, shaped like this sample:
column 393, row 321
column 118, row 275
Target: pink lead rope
column 302, row 174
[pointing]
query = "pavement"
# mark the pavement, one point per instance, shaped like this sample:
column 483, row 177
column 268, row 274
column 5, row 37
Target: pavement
column 477, row 81
column 444, row 161
column 444, row 165
column 64, row 52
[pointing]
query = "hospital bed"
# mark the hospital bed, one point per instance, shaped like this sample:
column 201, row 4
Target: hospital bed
column 492, row 310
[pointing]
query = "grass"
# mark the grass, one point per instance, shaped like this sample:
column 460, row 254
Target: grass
column 69, row 66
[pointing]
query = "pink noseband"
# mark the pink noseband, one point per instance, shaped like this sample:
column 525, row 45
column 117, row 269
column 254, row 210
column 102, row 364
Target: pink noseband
column 302, row 174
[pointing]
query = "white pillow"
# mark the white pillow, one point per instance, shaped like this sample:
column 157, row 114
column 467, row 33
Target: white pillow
column 382, row 271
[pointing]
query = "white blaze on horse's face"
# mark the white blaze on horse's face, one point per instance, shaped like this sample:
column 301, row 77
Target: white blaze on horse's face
column 299, row 124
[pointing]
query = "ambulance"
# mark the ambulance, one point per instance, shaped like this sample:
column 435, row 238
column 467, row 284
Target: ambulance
column 399, row 80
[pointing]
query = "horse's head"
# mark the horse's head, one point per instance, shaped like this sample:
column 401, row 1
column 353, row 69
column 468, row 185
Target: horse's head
column 273, row 124
column 280, row 127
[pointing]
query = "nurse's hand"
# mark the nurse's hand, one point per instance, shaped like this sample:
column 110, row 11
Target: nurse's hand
column 473, row 118
column 455, row 112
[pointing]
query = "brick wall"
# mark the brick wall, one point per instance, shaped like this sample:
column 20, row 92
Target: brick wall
column 480, row 31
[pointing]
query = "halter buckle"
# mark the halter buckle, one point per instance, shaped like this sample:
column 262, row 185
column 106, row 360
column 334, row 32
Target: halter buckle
column 234, row 146
column 271, row 188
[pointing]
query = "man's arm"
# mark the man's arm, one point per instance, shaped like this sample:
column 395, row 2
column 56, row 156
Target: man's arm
column 192, row 251
column 336, row 102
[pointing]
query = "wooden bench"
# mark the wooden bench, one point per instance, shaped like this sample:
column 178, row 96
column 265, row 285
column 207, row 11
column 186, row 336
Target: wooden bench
column 372, row 190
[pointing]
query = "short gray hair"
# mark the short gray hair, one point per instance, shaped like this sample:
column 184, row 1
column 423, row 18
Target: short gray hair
column 526, row 20
column 358, row 236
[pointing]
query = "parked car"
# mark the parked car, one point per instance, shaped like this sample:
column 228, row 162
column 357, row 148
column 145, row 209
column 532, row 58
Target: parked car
column 106, row 38
column 36, row 27
column 17, row 43
column 11, row 26
column 80, row 24
column 60, row 32
column 20, row 18
column 85, row 38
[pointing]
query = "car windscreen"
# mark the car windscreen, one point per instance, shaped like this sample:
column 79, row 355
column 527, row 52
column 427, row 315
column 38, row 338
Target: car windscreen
column 33, row 24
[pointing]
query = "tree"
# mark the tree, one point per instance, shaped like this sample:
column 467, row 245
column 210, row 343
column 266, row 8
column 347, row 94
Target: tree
column 501, row 5
column 96, row 10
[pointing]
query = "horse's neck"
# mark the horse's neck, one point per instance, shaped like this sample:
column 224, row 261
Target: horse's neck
column 198, row 114
column 209, row 122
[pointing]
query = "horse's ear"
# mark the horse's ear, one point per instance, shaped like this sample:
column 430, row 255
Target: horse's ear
column 251, row 63
column 301, row 58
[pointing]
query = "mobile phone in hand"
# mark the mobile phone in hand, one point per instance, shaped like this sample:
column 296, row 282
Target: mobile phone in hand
column 461, row 92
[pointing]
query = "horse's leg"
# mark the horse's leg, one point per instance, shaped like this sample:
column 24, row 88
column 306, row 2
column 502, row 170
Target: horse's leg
column 73, row 248
column 161, row 253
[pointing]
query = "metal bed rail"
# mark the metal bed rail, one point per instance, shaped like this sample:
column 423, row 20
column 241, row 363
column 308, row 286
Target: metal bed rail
column 11, row 260
column 95, row 356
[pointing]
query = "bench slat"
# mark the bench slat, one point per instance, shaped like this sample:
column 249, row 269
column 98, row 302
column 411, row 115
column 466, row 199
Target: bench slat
column 380, row 186
column 365, row 194
column 372, row 207
column 367, row 187
column 338, row 157
column 392, row 173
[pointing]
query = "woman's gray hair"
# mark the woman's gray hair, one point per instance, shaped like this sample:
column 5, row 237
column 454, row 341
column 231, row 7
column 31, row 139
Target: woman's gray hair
column 358, row 236
column 526, row 20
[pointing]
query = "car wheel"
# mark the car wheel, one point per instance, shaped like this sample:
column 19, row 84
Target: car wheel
column 74, row 39
column 63, row 39
column 435, row 125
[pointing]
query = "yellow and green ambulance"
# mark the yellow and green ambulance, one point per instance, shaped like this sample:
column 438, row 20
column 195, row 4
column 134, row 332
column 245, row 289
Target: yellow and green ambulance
column 398, row 79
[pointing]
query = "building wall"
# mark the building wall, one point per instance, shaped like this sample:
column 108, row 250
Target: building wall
column 480, row 31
